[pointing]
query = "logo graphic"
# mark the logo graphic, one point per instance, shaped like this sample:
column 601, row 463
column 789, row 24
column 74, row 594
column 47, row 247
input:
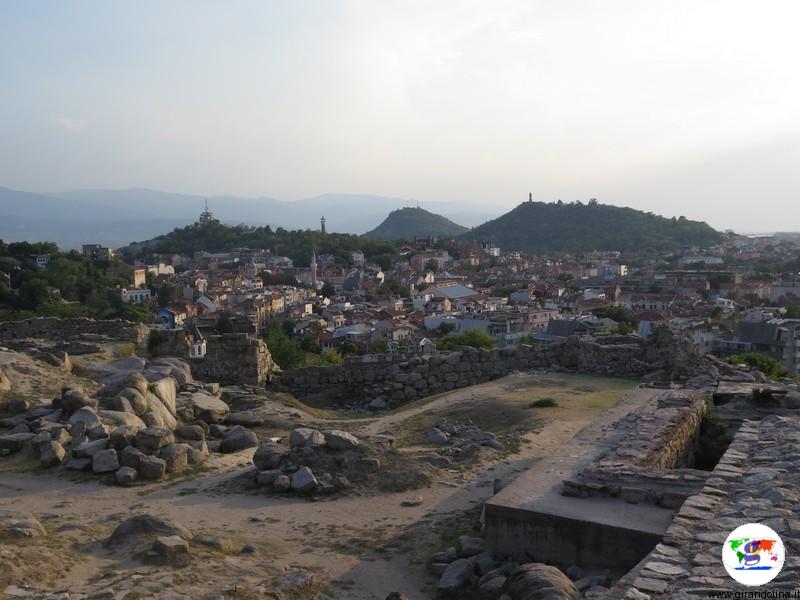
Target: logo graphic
column 753, row 554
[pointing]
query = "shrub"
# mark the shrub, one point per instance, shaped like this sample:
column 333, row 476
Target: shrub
column 474, row 338
column 763, row 362
column 544, row 403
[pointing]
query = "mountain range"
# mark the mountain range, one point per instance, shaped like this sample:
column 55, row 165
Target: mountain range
column 119, row 217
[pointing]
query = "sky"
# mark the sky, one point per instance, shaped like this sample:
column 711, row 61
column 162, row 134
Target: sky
column 676, row 107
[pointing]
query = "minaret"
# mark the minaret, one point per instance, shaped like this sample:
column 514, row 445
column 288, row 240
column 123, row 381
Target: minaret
column 530, row 196
column 314, row 262
column 322, row 224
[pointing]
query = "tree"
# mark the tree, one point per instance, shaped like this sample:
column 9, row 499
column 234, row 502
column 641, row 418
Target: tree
column 793, row 311
column 225, row 323
column 474, row 337
column 327, row 291
column 33, row 293
column 445, row 328
column 168, row 293
column 379, row 346
column 625, row 328
column 285, row 352
column 432, row 266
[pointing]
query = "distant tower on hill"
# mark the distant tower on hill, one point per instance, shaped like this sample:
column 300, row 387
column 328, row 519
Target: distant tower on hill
column 207, row 217
column 530, row 196
column 322, row 224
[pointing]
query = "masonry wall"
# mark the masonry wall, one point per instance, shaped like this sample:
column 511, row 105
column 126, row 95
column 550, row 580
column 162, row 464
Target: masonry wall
column 52, row 328
column 398, row 378
column 231, row 358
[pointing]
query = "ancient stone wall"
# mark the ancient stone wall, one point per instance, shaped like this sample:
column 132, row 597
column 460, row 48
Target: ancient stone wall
column 231, row 358
column 652, row 463
column 55, row 329
column 755, row 481
column 391, row 379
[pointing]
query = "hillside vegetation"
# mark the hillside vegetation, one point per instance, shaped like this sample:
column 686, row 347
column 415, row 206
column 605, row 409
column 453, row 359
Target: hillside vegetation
column 405, row 223
column 540, row 227
column 217, row 237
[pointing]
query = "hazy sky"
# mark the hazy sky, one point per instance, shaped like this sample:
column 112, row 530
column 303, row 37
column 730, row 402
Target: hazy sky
column 679, row 107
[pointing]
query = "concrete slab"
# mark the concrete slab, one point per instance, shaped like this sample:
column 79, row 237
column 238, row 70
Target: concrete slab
column 530, row 516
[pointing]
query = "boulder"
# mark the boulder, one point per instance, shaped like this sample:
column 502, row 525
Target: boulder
column 15, row 442
column 282, row 483
column 197, row 453
column 51, row 454
column 89, row 449
column 436, row 436
column 303, row 481
column 105, row 461
column 190, row 432
column 74, row 399
column 118, row 418
column 151, row 439
column 267, row 477
column 131, row 457
column 171, row 548
column 166, row 391
column 145, row 525
column 247, row 418
column 341, row 440
column 115, row 383
column 269, row 455
column 123, row 437
column 79, row 464
column 125, row 476
column 129, row 400
column 152, row 467
column 470, row 546
column 536, row 580
column 209, row 408
column 456, row 576
column 19, row 525
column 179, row 369
column 303, row 437
column 17, row 406
column 238, row 439
column 85, row 415
column 159, row 410
column 97, row 433
column 175, row 456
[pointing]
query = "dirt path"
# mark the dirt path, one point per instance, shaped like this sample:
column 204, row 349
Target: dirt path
column 362, row 545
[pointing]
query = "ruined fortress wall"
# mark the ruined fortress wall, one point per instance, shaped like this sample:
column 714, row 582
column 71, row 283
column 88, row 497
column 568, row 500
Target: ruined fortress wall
column 398, row 378
column 52, row 328
column 231, row 358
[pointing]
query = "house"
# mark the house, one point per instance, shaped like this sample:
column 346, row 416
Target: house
column 97, row 252
column 135, row 296
column 42, row 261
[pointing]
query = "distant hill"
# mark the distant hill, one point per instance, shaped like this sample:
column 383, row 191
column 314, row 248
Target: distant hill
column 540, row 228
column 405, row 223
column 119, row 217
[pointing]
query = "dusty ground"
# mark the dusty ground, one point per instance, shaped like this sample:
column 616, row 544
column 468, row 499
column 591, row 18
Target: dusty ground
column 360, row 546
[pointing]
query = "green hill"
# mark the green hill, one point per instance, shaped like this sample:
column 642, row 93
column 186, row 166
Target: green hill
column 540, row 227
column 405, row 223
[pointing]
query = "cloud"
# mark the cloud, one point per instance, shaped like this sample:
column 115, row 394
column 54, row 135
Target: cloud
column 70, row 123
